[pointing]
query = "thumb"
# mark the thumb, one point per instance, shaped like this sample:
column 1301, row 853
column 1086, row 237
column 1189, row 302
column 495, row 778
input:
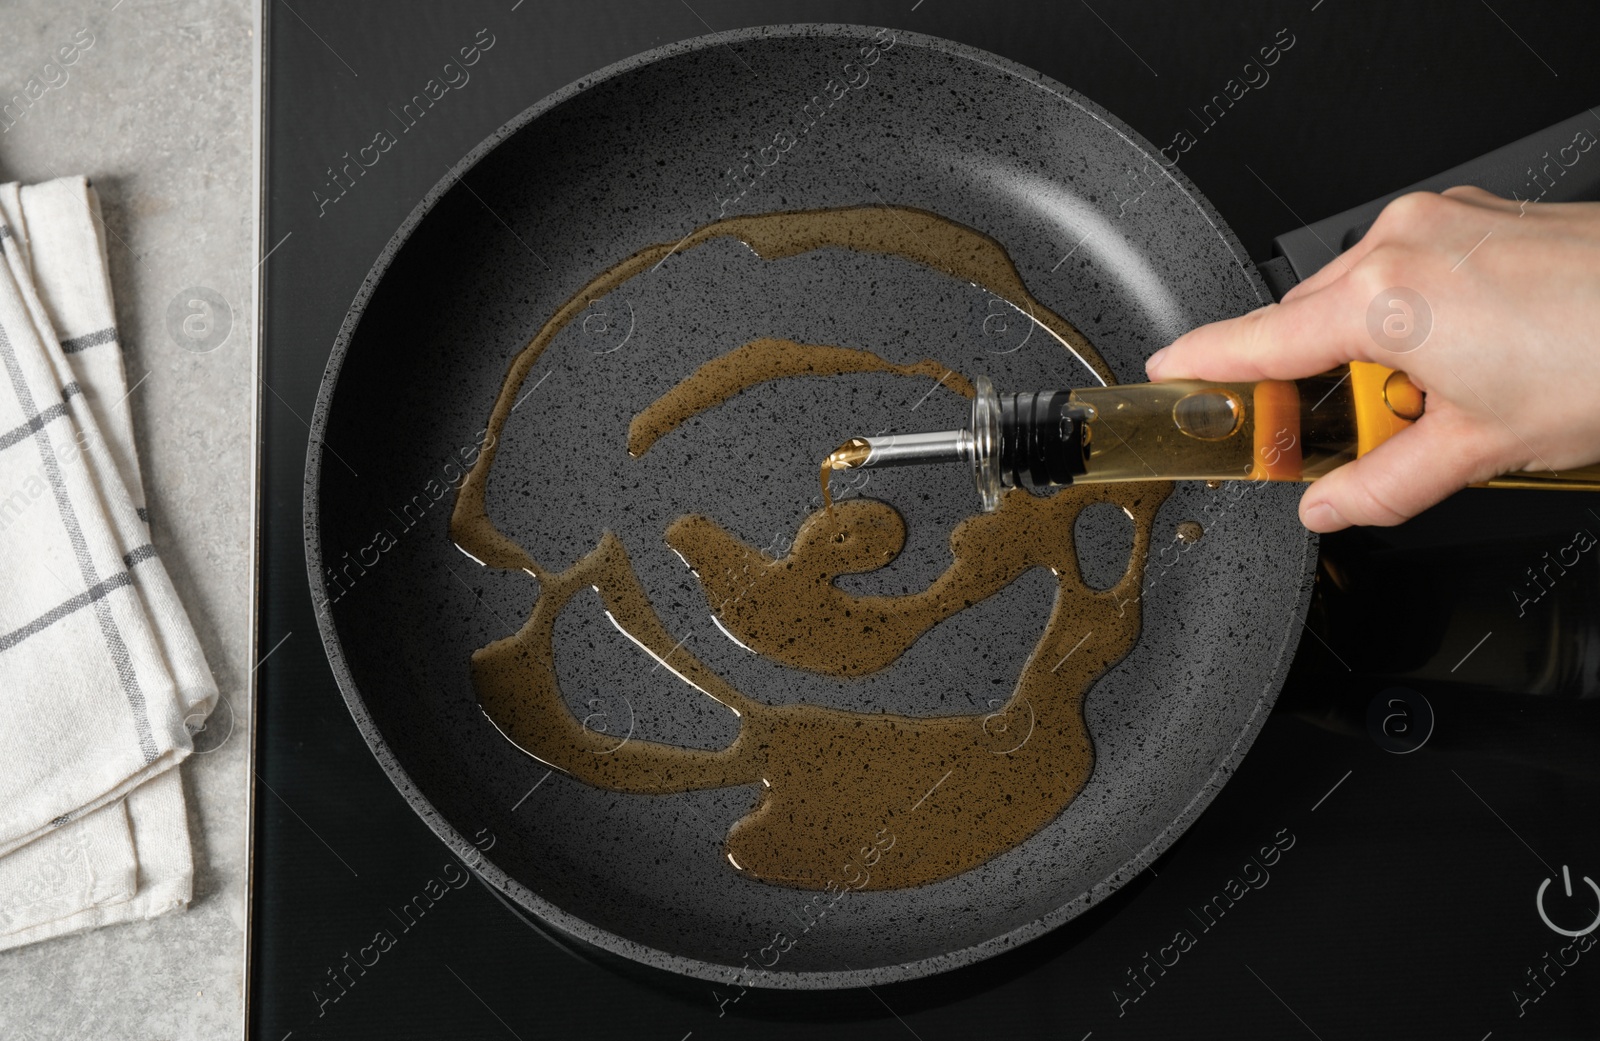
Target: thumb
column 1413, row 470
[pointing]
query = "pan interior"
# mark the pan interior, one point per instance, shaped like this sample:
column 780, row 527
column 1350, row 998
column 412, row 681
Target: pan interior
column 1100, row 234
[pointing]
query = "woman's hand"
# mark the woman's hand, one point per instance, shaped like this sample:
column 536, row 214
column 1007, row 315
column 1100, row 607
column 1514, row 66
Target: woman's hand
column 1491, row 306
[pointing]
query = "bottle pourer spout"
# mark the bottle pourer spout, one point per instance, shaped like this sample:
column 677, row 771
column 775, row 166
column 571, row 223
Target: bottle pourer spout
column 1015, row 440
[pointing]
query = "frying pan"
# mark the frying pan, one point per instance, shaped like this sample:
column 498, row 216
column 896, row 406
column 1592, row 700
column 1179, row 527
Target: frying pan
column 1102, row 233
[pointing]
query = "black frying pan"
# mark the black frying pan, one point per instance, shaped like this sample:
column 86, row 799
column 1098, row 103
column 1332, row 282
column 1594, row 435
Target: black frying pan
column 1107, row 241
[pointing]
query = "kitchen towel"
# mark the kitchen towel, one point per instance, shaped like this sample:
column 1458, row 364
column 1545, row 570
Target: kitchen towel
column 101, row 676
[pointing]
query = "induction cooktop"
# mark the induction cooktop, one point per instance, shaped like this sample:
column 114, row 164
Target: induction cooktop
column 1408, row 849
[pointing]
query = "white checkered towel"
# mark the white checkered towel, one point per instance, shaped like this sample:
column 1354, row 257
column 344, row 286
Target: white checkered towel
column 99, row 668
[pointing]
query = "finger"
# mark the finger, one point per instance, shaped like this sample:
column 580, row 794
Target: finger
column 1471, row 193
column 1330, row 272
column 1415, row 469
column 1283, row 341
column 1380, row 231
column 1388, row 225
column 1335, row 269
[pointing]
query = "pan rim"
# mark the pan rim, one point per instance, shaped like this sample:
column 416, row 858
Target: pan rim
column 549, row 914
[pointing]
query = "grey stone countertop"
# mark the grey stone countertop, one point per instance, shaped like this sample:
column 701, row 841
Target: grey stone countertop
column 160, row 113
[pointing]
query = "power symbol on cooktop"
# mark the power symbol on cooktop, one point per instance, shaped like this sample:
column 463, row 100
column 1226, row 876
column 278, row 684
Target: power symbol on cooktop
column 1566, row 882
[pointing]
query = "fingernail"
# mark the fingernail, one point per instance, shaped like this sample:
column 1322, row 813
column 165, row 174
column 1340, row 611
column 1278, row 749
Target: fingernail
column 1321, row 516
column 1153, row 362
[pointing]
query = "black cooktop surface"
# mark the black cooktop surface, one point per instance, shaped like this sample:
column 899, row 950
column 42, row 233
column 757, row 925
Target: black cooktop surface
column 1412, row 837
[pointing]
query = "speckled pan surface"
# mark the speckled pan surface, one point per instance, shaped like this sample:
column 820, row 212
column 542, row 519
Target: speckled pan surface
column 636, row 154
